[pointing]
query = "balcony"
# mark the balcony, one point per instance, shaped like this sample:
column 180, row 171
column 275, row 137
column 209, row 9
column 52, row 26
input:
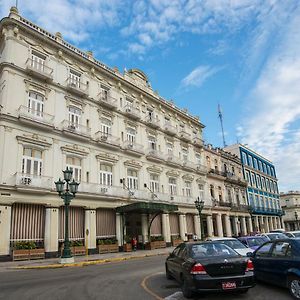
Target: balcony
column 102, row 190
column 188, row 165
column 173, row 160
column 170, row 129
column 198, row 142
column 36, row 118
column 240, row 207
column 76, row 130
column 152, row 122
column 131, row 112
column 107, row 140
column 216, row 173
column 33, row 182
column 232, row 178
column 77, row 87
column 184, row 136
column 108, row 101
column 39, row 70
column 155, row 155
column 266, row 211
column 201, row 169
column 133, row 148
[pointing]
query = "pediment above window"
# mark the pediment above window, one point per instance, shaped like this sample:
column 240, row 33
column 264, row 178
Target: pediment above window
column 74, row 149
column 188, row 177
column 154, row 169
column 37, row 87
column 172, row 173
column 133, row 163
column 106, row 157
column 34, row 139
column 75, row 101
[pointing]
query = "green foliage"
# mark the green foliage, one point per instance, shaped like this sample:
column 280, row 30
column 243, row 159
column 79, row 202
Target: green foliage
column 127, row 239
column 175, row 237
column 157, row 238
column 76, row 243
column 24, row 245
column 110, row 241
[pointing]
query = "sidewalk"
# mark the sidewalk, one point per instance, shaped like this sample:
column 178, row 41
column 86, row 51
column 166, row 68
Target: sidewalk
column 81, row 261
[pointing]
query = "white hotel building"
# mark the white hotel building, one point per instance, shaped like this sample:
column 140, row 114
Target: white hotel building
column 60, row 107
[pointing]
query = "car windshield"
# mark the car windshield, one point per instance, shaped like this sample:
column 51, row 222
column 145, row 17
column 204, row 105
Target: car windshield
column 212, row 249
column 234, row 244
column 252, row 242
column 275, row 236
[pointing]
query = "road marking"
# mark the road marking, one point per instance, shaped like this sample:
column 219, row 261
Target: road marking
column 144, row 286
column 175, row 296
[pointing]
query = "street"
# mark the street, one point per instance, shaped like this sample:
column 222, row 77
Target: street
column 133, row 279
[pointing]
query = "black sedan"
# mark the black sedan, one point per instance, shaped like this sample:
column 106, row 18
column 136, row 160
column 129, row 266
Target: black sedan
column 209, row 266
column 278, row 262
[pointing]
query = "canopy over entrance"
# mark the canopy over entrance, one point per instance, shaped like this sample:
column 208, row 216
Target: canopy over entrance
column 147, row 207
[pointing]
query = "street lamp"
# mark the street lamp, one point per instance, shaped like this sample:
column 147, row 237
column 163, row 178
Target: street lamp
column 199, row 206
column 67, row 195
column 296, row 217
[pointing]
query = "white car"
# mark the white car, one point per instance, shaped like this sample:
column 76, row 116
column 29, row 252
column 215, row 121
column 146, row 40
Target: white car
column 293, row 234
column 233, row 243
column 273, row 235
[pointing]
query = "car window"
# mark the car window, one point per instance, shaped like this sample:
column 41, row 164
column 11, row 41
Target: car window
column 234, row 244
column 255, row 241
column 281, row 249
column 264, row 250
column 212, row 250
column 176, row 250
column 181, row 250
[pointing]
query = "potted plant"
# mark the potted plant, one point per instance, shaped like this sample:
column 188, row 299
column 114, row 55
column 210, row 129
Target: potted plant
column 176, row 240
column 156, row 242
column 24, row 250
column 77, row 248
column 107, row 245
column 127, row 247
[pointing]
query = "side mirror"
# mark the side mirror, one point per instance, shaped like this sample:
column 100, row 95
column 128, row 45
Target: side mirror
column 250, row 254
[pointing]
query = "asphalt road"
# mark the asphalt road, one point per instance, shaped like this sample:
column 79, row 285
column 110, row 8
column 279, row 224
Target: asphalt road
column 133, row 279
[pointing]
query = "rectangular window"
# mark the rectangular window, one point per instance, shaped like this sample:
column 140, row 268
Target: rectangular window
column 251, row 202
column 105, row 174
column 264, row 168
column 132, row 179
column 254, row 184
column 154, row 183
column 255, row 163
column 250, row 160
column 201, row 191
column 32, row 162
column 172, row 186
column 184, row 154
column 256, row 201
column 198, row 158
column 74, row 116
column 74, row 79
column 268, row 170
column 244, row 157
column 187, row 189
column 268, row 184
column 152, row 142
column 260, row 165
column 36, row 104
column 169, row 148
column 261, row 202
column 130, row 135
column 74, row 163
column 258, row 181
column 248, row 177
column 263, row 183
column 106, row 126
column 38, row 61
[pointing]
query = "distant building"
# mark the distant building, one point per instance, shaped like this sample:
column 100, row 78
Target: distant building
column 290, row 203
column 262, row 191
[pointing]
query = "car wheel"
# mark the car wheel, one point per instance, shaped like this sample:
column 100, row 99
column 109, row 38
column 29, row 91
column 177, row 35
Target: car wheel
column 186, row 291
column 294, row 286
column 168, row 274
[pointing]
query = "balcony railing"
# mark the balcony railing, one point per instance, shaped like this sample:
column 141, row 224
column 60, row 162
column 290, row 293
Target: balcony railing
column 33, row 181
column 170, row 129
column 266, row 210
column 201, row 168
column 133, row 147
column 108, row 101
column 74, row 128
column 77, row 86
column 131, row 111
column 173, row 160
column 184, row 135
column 231, row 177
column 39, row 69
column 107, row 139
column 104, row 190
column 216, row 172
column 152, row 122
column 35, row 115
column 188, row 164
column 198, row 142
column 154, row 154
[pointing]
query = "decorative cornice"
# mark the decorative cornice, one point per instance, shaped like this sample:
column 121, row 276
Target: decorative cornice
column 172, row 173
column 133, row 164
column 188, row 177
column 33, row 139
column 76, row 101
column 74, row 149
column 107, row 157
column 154, row 169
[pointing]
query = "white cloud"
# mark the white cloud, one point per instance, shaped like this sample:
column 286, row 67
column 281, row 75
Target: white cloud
column 272, row 123
column 199, row 75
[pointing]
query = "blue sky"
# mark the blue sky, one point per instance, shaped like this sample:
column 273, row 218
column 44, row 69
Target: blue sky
column 243, row 54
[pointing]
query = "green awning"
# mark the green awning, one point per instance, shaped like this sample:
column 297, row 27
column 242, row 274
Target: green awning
column 147, row 207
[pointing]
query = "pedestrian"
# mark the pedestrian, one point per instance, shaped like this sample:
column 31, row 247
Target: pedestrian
column 134, row 243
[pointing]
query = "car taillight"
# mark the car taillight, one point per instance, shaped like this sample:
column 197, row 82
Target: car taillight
column 250, row 266
column 198, row 269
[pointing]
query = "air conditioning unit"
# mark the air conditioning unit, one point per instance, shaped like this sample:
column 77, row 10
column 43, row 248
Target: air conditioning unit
column 103, row 190
column 26, row 180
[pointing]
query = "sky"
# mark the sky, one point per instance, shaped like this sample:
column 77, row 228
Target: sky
column 241, row 54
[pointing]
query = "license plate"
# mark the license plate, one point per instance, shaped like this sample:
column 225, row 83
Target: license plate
column 228, row 285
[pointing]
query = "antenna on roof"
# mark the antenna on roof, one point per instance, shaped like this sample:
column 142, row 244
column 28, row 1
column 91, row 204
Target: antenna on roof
column 221, row 121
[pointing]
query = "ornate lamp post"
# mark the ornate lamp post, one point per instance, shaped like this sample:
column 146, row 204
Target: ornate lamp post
column 67, row 195
column 199, row 206
column 296, row 218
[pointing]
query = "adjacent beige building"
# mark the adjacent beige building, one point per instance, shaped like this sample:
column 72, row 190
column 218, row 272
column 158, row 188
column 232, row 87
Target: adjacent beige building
column 290, row 203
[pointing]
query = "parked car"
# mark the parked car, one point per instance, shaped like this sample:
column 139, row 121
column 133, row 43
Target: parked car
column 278, row 230
column 278, row 262
column 253, row 242
column 209, row 266
column 234, row 243
column 273, row 235
column 291, row 234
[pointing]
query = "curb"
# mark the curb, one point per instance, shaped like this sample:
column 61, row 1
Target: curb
column 87, row 263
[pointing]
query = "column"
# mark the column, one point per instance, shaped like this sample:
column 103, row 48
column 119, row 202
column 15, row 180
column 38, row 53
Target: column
column 228, row 226
column 210, row 228
column 197, row 227
column 119, row 229
column 261, row 224
column 250, row 227
column 51, row 232
column 267, row 229
column 270, row 223
column 219, row 225
column 182, row 227
column 90, row 230
column 145, row 228
column 278, row 222
column 282, row 223
column 274, row 223
column 166, row 229
column 244, row 228
column 256, row 224
column 235, row 226
column 5, row 220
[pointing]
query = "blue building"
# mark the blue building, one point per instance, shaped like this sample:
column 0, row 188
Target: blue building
column 262, row 190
